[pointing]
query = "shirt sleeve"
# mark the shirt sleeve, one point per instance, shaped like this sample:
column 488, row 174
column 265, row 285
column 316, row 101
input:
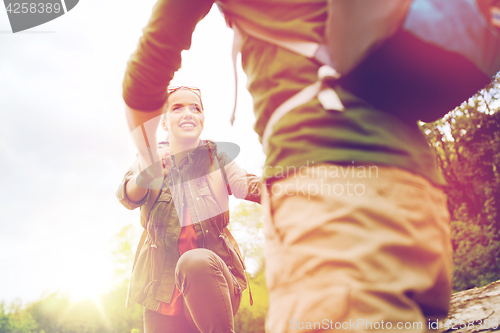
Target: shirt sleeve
column 121, row 194
column 158, row 54
column 242, row 185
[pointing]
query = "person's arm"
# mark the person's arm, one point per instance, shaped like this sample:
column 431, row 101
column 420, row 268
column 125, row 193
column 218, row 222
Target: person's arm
column 242, row 185
column 150, row 69
column 143, row 126
column 158, row 54
column 124, row 194
column 133, row 191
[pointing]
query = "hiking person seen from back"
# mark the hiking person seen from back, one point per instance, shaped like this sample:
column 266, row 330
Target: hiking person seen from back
column 357, row 226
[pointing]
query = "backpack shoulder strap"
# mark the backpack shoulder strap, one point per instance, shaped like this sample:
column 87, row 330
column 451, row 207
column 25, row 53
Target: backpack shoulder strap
column 320, row 52
column 305, row 48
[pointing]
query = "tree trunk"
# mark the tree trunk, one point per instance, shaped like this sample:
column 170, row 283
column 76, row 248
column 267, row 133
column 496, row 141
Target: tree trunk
column 474, row 310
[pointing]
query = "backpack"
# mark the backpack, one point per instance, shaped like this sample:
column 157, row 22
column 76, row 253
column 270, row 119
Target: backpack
column 415, row 59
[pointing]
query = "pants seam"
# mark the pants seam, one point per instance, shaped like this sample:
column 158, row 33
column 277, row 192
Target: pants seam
column 214, row 268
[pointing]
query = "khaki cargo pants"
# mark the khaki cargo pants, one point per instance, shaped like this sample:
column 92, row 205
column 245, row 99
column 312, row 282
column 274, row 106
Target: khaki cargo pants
column 356, row 248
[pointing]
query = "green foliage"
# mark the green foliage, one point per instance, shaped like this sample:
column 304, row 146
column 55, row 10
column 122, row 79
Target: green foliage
column 246, row 226
column 474, row 252
column 467, row 142
column 124, row 320
column 124, row 243
column 251, row 319
column 57, row 313
column 15, row 320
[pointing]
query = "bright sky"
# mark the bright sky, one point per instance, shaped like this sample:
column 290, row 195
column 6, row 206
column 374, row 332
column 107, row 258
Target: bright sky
column 64, row 146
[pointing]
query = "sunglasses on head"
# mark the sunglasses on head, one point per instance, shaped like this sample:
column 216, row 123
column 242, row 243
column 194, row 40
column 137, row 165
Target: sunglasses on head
column 195, row 90
column 172, row 89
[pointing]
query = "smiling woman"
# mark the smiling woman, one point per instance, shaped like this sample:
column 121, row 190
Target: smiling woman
column 189, row 274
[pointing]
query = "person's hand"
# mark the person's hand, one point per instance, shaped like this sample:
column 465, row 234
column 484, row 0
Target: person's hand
column 491, row 11
column 165, row 158
column 495, row 16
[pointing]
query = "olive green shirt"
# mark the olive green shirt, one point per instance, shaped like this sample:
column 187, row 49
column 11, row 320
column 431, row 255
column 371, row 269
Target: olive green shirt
column 307, row 135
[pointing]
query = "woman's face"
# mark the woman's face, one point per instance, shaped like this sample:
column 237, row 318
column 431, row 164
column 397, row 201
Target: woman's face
column 184, row 116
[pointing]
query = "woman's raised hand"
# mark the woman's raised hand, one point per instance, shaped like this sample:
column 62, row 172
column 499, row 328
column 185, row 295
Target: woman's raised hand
column 164, row 153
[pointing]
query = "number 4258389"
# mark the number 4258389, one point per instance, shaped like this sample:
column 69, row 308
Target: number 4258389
column 33, row 7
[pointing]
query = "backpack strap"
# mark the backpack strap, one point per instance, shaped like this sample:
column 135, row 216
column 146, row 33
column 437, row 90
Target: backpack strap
column 305, row 48
column 326, row 95
column 237, row 42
